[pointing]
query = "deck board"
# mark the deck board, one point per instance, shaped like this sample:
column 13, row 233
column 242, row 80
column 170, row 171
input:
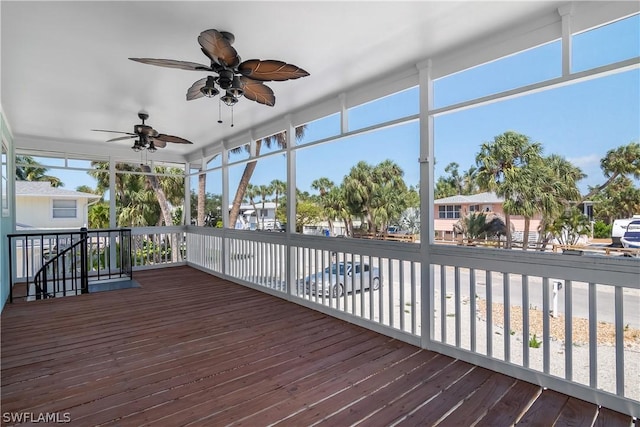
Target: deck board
column 189, row 348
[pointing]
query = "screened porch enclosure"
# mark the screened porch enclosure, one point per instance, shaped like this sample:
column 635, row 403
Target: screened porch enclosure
column 264, row 208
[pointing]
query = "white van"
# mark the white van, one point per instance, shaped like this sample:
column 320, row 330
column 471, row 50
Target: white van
column 618, row 229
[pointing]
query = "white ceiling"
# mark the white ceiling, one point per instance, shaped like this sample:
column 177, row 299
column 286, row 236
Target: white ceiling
column 65, row 68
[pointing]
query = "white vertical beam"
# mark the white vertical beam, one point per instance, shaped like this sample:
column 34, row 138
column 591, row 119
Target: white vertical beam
column 426, row 199
column 112, row 206
column 252, row 145
column 112, row 193
column 186, row 218
column 291, row 202
column 344, row 114
column 225, row 188
column 566, row 13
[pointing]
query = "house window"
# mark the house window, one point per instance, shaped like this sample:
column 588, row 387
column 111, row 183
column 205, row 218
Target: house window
column 263, row 213
column 64, row 209
column 474, row 208
column 449, row 211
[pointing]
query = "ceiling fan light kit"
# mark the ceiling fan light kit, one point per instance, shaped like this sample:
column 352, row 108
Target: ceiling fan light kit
column 147, row 137
column 233, row 77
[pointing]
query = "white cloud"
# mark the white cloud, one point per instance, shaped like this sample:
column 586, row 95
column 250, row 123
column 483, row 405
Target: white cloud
column 586, row 162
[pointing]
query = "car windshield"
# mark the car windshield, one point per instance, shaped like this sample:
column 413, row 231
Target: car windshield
column 337, row 269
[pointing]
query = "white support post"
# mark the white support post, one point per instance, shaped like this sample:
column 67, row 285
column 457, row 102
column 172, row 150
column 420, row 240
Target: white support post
column 186, row 212
column 225, row 209
column 225, row 189
column 344, row 114
column 291, row 203
column 426, row 201
column 112, row 207
column 112, row 195
column 566, row 13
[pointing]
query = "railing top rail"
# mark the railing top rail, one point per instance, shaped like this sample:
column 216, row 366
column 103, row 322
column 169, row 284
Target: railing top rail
column 62, row 232
column 619, row 271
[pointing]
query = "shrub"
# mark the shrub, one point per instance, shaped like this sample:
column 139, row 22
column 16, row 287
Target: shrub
column 601, row 230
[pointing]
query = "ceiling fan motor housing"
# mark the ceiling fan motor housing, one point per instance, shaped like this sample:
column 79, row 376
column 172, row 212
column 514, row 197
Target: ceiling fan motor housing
column 145, row 130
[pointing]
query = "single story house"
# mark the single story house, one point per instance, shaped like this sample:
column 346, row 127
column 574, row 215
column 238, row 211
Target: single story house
column 41, row 206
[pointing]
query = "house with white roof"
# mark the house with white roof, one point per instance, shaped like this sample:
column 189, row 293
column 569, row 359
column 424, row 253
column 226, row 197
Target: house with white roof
column 449, row 210
column 41, row 206
column 263, row 217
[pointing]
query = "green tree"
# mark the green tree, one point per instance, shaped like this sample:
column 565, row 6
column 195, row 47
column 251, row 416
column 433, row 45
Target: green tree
column 98, row 215
column 279, row 189
column 507, row 166
column 324, row 186
column 251, row 192
column 621, row 161
column 141, row 200
column 28, row 169
column 619, row 199
column 569, row 226
column 280, row 140
column 307, row 212
column 264, row 191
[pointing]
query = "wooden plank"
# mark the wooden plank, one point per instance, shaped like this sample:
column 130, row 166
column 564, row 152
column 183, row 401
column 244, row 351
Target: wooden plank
column 545, row 410
column 608, row 418
column 577, row 412
column 511, row 406
column 475, row 407
column 451, row 397
column 188, row 347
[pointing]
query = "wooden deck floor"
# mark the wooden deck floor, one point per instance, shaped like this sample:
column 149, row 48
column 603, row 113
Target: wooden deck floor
column 188, row 348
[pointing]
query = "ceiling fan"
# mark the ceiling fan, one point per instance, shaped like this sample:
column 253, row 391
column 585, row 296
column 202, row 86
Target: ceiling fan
column 147, row 137
column 233, row 77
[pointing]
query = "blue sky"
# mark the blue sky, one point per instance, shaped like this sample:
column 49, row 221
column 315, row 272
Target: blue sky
column 580, row 122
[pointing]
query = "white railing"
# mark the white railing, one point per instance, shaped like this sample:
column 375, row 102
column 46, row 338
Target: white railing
column 490, row 307
column 154, row 247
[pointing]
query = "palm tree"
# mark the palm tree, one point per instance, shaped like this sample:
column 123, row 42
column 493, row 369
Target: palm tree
column 324, row 186
column 621, row 161
column 251, row 193
column 98, row 215
column 263, row 192
column 279, row 139
column 561, row 185
column 358, row 187
column 501, row 164
column 202, row 185
column 390, row 194
column 28, row 169
column 279, row 187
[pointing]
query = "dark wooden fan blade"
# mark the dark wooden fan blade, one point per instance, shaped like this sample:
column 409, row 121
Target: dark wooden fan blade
column 158, row 143
column 270, row 69
column 218, row 48
column 194, row 91
column 113, row 131
column 171, row 138
column 258, row 91
column 171, row 63
column 121, row 138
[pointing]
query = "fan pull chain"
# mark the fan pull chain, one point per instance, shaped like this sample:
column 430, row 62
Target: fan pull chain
column 219, row 111
column 232, row 116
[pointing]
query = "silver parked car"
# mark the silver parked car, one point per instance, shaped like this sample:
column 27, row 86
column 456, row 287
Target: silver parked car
column 335, row 279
